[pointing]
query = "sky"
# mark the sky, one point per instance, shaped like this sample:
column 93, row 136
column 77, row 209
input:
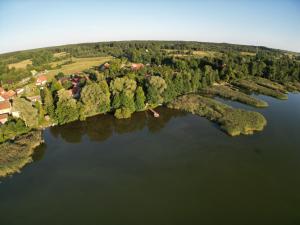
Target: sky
column 28, row 24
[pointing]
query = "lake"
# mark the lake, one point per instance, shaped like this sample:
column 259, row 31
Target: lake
column 176, row 169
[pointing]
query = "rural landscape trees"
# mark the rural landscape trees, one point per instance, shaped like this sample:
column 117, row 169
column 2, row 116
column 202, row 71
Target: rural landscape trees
column 138, row 75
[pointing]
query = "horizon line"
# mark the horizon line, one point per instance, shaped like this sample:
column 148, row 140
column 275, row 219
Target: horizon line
column 150, row 40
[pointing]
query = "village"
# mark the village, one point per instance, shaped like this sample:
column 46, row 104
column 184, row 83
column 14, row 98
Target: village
column 7, row 98
column 31, row 91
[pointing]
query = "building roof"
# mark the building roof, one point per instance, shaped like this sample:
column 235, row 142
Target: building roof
column 9, row 94
column 137, row 66
column 41, row 79
column 4, row 105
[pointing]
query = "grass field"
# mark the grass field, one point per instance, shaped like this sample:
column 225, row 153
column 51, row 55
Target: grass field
column 78, row 65
column 20, row 65
column 60, row 54
column 248, row 53
column 206, row 53
column 185, row 53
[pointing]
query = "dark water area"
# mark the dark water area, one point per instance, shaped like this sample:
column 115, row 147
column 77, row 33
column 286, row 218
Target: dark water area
column 177, row 169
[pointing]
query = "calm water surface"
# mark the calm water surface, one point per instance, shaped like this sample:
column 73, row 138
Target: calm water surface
column 178, row 169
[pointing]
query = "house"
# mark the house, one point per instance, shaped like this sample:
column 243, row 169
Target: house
column 3, row 118
column 137, row 66
column 1, row 90
column 36, row 98
column 8, row 95
column 2, row 99
column 11, row 94
column 20, row 91
column 41, row 80
column 5, row 107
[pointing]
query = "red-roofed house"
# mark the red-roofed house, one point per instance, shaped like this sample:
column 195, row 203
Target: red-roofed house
column 11, row 94
column 5, row 107
column 8, row 95
column 137, row 66
column 41, row 80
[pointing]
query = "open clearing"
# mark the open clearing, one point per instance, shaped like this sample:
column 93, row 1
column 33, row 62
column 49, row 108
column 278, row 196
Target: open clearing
column 206, row 53
column 248, row 53
column 185, row 53
column 60, row 54
column 78, row 65
column 20, row 65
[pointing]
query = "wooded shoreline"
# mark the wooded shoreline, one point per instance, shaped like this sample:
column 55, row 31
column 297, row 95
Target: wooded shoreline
column 134, row 76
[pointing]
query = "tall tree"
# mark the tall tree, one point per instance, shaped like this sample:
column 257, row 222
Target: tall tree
column 27, row 112
column 67, row 109
column 95, row 98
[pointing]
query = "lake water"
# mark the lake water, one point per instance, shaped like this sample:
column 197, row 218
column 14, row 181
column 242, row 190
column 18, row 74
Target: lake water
column 177, row 169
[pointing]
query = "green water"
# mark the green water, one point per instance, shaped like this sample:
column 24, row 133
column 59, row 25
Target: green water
column 177, row 169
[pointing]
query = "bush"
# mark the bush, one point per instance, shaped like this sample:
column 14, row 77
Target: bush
column 123, row 113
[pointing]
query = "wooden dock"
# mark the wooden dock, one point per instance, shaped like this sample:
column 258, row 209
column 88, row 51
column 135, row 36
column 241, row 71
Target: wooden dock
column 155, row 114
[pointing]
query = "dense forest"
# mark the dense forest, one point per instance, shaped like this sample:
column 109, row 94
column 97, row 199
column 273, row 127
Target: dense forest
column 167, row 70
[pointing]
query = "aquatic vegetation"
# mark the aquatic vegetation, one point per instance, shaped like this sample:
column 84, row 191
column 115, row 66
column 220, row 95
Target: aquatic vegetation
column 269, row 84
column 239, row 121
column 15, row 155
column 292, row 86
column 229, row 93
column 253, row 86
column 233, row 121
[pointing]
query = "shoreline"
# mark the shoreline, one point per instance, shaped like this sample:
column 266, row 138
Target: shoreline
column 14, row 155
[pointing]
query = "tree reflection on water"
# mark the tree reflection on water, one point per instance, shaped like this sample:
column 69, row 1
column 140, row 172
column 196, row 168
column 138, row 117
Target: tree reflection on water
column 102, row 127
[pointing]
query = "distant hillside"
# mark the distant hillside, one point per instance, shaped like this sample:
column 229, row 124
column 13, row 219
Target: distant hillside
column 119, row 48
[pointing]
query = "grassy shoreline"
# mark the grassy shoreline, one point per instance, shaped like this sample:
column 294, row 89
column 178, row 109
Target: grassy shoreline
column 14, row 155
column 231, row 94
column 252, row 86
column 233, row 121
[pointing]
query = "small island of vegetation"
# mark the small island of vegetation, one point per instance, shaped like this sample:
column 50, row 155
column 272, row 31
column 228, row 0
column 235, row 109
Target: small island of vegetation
column 233, row 121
